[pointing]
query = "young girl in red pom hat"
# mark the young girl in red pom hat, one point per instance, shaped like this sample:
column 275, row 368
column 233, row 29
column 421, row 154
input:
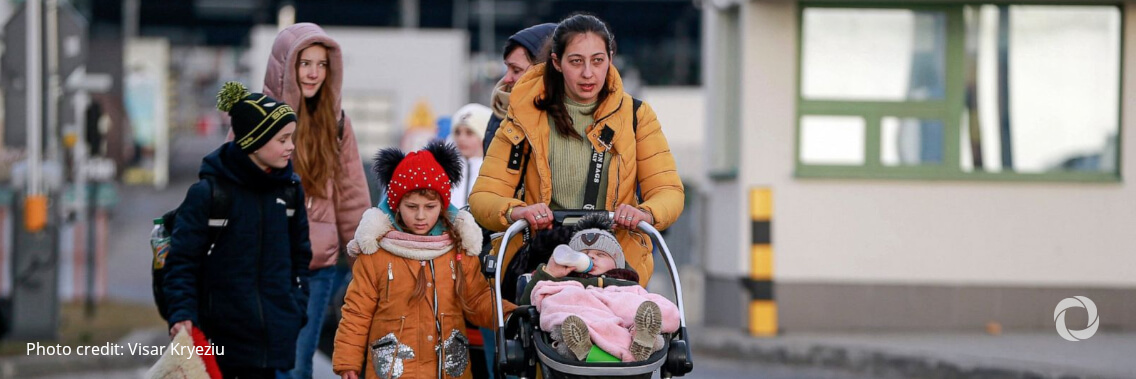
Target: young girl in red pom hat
column 417, row 278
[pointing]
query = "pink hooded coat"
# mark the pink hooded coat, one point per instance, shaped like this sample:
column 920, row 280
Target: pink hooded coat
column 332, row 220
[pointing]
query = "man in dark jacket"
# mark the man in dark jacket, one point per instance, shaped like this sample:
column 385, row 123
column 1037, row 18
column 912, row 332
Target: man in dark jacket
column 247, row 291
column 520, row 53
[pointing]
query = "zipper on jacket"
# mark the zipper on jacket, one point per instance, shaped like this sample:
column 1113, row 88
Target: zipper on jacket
column 390, row 278
column 437, row 320
column 259, row 277
column 618, row 174
column 605, row 117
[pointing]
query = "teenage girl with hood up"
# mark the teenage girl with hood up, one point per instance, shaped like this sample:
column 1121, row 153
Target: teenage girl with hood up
column 305, row 70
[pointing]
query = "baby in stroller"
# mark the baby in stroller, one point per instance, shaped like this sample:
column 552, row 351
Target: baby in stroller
column 597, row 310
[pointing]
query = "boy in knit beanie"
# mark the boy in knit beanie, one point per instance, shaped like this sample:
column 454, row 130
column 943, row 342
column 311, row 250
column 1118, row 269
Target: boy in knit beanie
column 242, row 278
column 603, row 303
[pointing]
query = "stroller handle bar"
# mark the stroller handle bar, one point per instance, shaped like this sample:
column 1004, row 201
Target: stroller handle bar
column 656, row 238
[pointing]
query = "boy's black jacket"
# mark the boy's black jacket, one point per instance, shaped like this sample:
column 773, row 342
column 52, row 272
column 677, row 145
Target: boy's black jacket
column 250, row 293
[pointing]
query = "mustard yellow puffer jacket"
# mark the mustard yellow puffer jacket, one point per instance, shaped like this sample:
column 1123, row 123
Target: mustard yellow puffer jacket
column 639, row 157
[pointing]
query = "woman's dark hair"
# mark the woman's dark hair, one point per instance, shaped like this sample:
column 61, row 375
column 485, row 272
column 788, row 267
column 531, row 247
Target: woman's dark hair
column 554, row 92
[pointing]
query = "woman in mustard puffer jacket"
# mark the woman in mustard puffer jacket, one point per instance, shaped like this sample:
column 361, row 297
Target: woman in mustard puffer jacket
column 563, row 117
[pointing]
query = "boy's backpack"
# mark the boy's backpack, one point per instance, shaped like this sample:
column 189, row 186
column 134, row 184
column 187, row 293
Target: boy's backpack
column 220, row 202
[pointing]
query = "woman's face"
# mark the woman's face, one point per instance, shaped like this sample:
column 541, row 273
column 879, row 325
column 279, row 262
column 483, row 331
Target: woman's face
column 276, row 153
column 312, row 70
column 469, row 143
column 584, row 66
column 418, row 213
column 516, row 64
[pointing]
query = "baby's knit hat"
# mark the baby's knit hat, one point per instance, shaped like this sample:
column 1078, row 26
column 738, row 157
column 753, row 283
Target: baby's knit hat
column 255, row 117
column 594, row 232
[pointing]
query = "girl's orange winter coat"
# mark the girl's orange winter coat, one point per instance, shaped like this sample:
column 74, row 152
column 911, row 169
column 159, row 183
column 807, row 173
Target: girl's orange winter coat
column 378, row 309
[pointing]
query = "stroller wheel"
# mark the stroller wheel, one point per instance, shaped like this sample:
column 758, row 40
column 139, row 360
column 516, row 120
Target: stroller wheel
column 678, row 358
column 515, row 355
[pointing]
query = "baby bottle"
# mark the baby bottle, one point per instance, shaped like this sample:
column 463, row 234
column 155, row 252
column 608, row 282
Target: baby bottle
column 566, row 256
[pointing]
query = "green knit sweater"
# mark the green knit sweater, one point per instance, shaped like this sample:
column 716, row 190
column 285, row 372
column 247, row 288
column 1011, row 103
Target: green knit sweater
column 570, row 158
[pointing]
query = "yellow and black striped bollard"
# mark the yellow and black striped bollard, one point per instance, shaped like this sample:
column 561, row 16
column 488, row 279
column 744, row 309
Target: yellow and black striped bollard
column 762, row 307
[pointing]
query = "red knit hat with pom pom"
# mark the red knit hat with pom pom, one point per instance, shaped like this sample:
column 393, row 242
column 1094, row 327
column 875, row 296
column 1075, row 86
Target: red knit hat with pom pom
column 436, row 167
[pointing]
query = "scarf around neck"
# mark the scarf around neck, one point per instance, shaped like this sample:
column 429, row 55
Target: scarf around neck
column 434, row 244
column 500, row 101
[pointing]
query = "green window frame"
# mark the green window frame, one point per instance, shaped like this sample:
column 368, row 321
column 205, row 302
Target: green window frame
column 949, row 110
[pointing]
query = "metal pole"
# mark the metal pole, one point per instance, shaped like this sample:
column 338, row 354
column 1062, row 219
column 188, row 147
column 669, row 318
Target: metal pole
column 84, row 197
column 409, row 10
column 35, row 278
column 35, row 99
column 91, row 258
column 54, row 92
column 1004, row 126
column 461, row 14
column 129, row 19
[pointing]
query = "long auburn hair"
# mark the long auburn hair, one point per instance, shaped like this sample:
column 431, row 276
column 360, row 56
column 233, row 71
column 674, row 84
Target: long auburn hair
column 317, row 138
column 420, row 283
column 554, row 91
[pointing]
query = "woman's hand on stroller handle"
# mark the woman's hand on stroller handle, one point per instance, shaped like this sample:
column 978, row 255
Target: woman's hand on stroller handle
column 539, row 216
column 628, row 217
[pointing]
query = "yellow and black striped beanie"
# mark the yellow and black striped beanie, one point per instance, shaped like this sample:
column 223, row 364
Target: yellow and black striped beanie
column 255, row 117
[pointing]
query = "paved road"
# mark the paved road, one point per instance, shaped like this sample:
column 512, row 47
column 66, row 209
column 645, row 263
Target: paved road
column 705, row 369
column 714, row 368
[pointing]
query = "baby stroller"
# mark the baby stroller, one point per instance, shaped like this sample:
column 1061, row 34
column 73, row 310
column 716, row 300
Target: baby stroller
column 523, row 349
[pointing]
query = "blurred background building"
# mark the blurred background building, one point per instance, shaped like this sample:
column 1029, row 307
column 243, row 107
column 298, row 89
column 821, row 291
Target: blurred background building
column 931, row 166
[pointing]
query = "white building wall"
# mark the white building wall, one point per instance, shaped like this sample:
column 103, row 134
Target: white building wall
column 919, row 232
column 681, row 112
column 726, row 240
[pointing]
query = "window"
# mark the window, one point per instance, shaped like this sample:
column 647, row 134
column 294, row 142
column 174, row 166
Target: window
column 960, row 92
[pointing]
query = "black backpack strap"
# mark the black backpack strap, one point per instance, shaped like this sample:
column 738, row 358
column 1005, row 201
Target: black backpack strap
column 635, row 103
column 219, row 203
column 292, row 199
